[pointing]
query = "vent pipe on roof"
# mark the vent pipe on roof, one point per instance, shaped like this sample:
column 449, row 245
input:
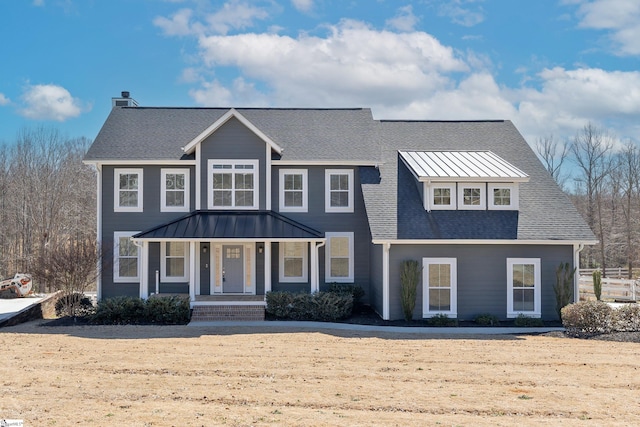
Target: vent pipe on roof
column 125, row 100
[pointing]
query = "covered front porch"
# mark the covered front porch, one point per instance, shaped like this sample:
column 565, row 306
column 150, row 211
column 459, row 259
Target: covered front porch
column 227, row 258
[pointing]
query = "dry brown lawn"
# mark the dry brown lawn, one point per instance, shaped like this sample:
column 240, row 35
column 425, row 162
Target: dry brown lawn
column 185, row 376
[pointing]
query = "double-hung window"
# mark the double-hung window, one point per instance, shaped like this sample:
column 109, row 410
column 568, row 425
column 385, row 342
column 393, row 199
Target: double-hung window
column 175, row 261
column 439, row 281
column 293, row 262
column 174, row 196
column 523, row 287
column 233, row 184
column 293, row 190
column 339, row 190
column 127, row 190
column 339, row 257
column 126, row 258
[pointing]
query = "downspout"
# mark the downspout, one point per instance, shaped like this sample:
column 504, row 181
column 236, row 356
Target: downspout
column 99, row 231
column 576, row 277
column 316, row 274
column 386, row 247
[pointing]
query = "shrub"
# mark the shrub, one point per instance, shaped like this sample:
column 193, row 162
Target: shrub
column 75, row 305
column 442, row 319
column 173, row 310
column 563, row 288
column 627, row 318
column 322, row 306
column 409, row 278
column 524, row 321
column 356, row 291
column 119, row 311
column 486, row 319
column 587, row 318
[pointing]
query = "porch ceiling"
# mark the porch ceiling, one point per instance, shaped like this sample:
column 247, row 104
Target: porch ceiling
column 207, row 224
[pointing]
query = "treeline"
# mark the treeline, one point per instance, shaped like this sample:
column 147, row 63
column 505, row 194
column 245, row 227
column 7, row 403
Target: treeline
column 602, row 177
column 47, row 202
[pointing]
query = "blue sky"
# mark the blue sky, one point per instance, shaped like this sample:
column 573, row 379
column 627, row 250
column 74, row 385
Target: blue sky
column 550, row 66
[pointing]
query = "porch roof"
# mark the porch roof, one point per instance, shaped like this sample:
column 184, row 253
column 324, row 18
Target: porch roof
column 231, row 225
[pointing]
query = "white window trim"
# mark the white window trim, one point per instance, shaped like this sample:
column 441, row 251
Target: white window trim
column 305, row 190
column 256, row 182
column 429, row 191
column 305, row 262
column 116, row 258
column 453, row 311
column 327, row 190
column 163, row 264
column 515, row 199
column 483, row 195
column 327, row 264
column 163, row 191
column 537, row 292
column 116, row 190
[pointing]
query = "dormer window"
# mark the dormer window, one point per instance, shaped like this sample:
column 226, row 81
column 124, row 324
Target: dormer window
column 464, row 180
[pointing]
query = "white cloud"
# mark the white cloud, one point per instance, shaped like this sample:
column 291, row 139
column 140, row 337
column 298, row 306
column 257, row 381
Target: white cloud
column 38, row 3
column 49, row 102
column 303, row 5
column 404, row 20
column 462, row 13
column 233, row 15
column 353, row 64
column 619, row 17
column 242, row 93
column 3, row 99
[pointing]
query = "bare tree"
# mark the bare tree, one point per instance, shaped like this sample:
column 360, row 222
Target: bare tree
column 592, row 152
column 627, row 173
column 553, row 154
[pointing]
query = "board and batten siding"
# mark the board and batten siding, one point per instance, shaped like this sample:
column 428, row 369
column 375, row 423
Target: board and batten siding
column 318, row 219
column 482, row 275
column 136, row 221
column 232, row 141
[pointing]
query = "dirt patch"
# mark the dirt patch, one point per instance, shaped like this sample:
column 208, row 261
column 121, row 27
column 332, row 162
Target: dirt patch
column 179, row 375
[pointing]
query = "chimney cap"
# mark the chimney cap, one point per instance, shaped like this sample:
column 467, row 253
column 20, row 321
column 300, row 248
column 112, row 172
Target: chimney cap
column 125, row 94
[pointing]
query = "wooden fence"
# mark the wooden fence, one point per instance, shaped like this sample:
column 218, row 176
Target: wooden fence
column 613, row 272
column 612, row 289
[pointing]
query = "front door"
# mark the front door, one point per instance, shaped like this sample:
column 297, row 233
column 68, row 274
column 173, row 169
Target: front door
column 232, row 269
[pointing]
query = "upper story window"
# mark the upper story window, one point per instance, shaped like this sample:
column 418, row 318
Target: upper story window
column 441, row 196
column 472, row 196
column 174, row 196
column 339, row 190
column 127, row 190
column 233, row 184
column 293, row 190
column 126, row 263
column 503, row 196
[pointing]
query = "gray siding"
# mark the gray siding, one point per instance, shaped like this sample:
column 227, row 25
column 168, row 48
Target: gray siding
column 317, row 218
column 233, row 141
column 136, row 221
column 482, row 275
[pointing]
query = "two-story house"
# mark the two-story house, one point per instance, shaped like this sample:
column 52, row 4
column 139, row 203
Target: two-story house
column 228, row 204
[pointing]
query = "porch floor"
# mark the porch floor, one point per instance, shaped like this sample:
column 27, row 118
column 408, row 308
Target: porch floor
column 229, row 297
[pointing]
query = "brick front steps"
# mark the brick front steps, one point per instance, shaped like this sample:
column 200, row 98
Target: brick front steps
column 209, row 313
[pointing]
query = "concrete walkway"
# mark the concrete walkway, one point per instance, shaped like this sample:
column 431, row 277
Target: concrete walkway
column 11, row 307
column 375, row 328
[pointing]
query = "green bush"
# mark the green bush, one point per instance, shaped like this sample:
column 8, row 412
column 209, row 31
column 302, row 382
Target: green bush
column 321, row 306
column 442, row 319
column 587, row 318
column 627, row 318
column 75, row 305
column 172, row 310
column 356, row 291
column 524, row 321
column 409, row 278
column 133, row 310
column 486, row 319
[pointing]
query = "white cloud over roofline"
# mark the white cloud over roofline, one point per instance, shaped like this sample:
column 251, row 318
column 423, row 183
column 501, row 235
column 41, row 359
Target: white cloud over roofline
column 4, row 100
column 49, row 102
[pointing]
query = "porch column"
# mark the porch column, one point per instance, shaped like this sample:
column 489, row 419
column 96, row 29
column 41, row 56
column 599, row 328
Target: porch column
column 192, row 271
column 267, row 267
column 144, row 273
column 313, row 247
column 386, row 247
